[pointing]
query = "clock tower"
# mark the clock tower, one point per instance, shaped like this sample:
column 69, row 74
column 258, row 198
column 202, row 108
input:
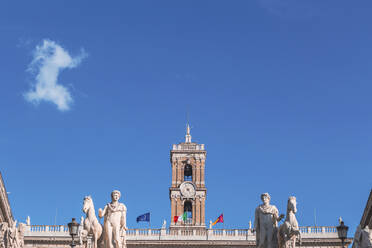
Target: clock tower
column 188, row 192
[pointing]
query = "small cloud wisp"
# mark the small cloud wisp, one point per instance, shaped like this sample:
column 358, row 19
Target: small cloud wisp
column 49, row 59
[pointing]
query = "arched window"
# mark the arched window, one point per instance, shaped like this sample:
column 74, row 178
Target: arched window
column 188, row 173
column 188, row 210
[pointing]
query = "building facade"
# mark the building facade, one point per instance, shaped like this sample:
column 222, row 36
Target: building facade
column 367, row 213
column 5, row 211
column 187, row 195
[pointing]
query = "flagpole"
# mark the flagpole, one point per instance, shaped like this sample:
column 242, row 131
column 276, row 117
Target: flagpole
column 223, row 221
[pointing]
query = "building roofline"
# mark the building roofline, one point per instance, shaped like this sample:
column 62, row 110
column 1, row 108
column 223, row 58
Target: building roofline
column 5, row 210
column 367, row 214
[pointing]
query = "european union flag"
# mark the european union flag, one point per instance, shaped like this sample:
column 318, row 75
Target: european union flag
column 144, row 217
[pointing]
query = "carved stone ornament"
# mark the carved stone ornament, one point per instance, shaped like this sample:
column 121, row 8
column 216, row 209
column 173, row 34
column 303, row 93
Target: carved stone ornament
column 3, row 233
column 363, row 238
column 185, row 155
column 12, row 236
column 187, row 190
column 200, row 194
column 175, row 194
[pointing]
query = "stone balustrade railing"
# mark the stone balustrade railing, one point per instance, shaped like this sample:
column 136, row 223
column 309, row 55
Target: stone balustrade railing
column 183, row 234
column 48, row 228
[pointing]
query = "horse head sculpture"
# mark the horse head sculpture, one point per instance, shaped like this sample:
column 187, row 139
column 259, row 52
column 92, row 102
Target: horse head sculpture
column 289, row 231
column 91, row 224
column 87, row 204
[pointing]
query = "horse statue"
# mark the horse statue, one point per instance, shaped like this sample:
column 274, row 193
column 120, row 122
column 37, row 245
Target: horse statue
column 91, row 223
column 289, row 231
column 363, row 237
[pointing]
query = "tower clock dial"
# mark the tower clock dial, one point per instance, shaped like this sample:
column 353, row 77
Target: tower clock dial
column 187, row 190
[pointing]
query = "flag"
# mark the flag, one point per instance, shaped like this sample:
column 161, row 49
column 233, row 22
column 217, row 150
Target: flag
column 219, row 219
column 144, row 217
column 180, row 218
column 184, row 217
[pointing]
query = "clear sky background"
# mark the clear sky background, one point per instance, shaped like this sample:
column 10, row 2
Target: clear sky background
column 279, row 91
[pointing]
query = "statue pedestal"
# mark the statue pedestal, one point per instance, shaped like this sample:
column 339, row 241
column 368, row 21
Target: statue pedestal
column 163, row 232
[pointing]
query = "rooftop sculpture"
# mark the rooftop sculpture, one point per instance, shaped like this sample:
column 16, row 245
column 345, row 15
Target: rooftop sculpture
column 113, row 232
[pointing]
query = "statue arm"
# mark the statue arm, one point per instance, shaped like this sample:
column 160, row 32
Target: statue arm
column 276, row 214
column 280, row 217
column 257, row 225
column 256, row 221
column 102, row 213
column 123, row 222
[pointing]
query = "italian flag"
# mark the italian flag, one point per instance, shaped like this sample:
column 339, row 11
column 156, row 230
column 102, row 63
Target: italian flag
column 180, row 218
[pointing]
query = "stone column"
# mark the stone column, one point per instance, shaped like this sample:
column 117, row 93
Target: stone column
column 194, row 166
column 193, row 212
column 173, row 208
column 197, row 217
column 197, row 172
column 179, row 207
column 202, row 219
column 202, row 174
column 178, row 176
column 182, row 173
column 174, row 173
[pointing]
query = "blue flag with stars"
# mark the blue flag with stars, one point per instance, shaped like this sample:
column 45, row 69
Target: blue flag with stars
column 144, row 217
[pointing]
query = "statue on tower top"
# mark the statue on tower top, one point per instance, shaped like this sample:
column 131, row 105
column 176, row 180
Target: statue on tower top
column 188, row 136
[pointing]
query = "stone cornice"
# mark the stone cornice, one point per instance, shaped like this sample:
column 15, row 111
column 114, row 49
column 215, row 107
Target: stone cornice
column 367, row 214
column 310, row 242
column 5, row 210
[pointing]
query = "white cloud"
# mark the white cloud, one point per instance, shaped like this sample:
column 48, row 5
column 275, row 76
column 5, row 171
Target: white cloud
column 49, row 59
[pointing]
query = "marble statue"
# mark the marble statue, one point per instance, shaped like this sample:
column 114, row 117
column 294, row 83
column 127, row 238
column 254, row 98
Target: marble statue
column 115, row 214
column 12, row 236
column 3, row 234
column 289, row 231
column 210, row 224
column 28, row 221
column 91, row 224
column 20, row 234
column 363, row 237
column 266, row 223
column 164, row 224
column 340, row 220
column 82, row 232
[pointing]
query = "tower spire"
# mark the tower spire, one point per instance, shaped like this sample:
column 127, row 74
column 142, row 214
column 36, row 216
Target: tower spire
column 188, row 136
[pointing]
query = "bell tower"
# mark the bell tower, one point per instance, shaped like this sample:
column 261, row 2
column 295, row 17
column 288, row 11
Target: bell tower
column 188, row 192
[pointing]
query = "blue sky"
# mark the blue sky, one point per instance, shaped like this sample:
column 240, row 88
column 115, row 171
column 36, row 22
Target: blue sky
column 278, row 91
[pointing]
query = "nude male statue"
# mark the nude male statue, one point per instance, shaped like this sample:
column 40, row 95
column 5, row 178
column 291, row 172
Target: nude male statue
column 266, row 223
column 115, row 214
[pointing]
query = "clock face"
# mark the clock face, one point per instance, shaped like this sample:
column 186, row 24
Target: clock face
column 187, row 190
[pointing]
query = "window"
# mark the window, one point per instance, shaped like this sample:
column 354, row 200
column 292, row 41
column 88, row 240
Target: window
column 188, row 209
column 188, row 173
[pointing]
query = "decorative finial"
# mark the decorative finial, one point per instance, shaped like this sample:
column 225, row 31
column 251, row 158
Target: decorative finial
column 340, row 220
column 188, row 136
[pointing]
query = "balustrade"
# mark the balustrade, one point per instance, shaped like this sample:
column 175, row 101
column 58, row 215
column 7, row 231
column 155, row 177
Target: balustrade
column 179, row 234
